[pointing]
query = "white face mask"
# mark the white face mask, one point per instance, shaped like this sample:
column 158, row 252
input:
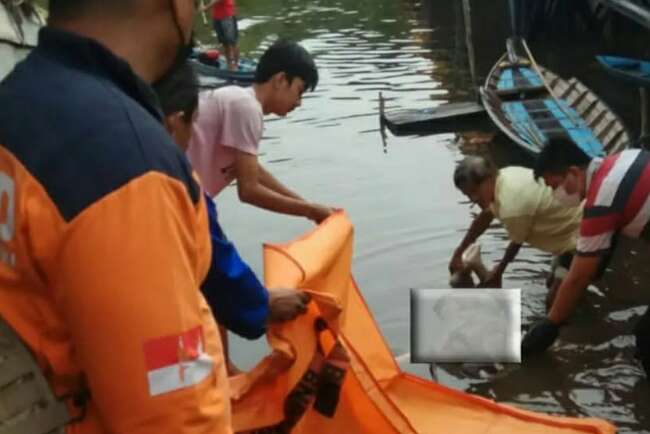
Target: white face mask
column 565, row 199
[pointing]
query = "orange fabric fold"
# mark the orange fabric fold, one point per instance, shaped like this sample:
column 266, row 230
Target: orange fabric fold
column 375, row 395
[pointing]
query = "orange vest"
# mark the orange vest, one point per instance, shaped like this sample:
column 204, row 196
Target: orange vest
column 96, row 311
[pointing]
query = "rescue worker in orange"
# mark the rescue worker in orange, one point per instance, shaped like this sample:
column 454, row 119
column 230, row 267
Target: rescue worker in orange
column 105, row 241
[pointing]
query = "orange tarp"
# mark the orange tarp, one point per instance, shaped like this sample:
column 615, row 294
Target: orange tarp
column 376, row 396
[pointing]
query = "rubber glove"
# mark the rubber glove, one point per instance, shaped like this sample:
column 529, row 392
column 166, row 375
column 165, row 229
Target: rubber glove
column 540, row 336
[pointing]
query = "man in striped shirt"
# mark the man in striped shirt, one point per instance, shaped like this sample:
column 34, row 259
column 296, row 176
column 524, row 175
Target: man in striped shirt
column 617, row 194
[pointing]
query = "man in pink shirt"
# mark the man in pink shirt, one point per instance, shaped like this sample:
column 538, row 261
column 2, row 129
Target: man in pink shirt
column 228, row 130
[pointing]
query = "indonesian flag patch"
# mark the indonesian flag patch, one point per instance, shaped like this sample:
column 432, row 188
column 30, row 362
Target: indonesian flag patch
column 176, row 361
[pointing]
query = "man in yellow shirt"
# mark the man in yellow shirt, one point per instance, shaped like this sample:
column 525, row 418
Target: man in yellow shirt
column 526, row 208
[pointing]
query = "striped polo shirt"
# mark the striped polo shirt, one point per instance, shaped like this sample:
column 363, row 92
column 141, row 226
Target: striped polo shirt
column 618, row 201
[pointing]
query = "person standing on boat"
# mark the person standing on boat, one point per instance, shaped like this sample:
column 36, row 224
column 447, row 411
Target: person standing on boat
column 617, row 194
column 227, row 133
column 224, row 20
column 238, row 299
column 527, row 210
column 104, row 237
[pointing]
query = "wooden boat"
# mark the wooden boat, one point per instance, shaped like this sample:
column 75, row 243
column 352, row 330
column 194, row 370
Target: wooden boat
column 517, row 98
column 445, row 118
column 634, row 71
column 208, row 64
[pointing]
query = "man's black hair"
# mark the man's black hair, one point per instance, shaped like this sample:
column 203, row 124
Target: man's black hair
column 67, row 9
column 288, row 57
column 558, row 155
column 179, row 91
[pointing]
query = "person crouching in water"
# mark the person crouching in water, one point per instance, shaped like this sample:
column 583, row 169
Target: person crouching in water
column 528, row 211
column 237, row 298
column 616, row 191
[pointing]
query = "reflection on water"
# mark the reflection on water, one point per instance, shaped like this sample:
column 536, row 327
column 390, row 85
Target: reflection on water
column 407, row 214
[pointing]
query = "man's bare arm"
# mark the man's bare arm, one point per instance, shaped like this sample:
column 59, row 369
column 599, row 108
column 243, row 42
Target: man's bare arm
column 251, row 191
column 210, row 4
column 476, row 229
column 267, row 179
column 582, row 271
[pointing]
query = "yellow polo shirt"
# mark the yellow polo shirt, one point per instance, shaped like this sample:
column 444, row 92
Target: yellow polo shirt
column 531, row 215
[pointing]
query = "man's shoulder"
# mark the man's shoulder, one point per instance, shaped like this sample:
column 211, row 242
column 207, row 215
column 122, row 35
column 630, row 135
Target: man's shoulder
column 83, row 139
column 616, row 177
column 232, row 98
column 518, row 194
column 517, row 173
column 518, row 184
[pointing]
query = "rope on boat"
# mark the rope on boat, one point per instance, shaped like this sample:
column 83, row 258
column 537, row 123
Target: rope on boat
column 546, row 85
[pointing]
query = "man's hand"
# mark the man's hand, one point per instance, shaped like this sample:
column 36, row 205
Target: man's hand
column 211, row 3
column 541, row 336
column 456, row 263
column 232, row 369
column 286, row 304
column 493, row 280
column 318, row 213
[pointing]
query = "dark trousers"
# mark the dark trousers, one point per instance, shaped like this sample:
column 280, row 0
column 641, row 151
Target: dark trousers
column 642, row 335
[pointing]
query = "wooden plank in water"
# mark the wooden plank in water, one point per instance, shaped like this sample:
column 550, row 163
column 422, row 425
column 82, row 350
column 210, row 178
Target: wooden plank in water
column 455, row 117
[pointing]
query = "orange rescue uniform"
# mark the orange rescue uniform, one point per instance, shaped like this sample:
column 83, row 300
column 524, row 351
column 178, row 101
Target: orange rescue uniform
column 104, row 243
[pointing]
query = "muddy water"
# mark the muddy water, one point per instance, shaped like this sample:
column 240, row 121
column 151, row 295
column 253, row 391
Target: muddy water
column 407, row 214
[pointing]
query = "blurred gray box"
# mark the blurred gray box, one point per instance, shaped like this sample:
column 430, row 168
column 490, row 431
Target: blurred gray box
column 466, row 325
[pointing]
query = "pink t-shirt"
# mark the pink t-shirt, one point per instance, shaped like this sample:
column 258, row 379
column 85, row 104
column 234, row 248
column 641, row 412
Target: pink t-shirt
column 230, row 120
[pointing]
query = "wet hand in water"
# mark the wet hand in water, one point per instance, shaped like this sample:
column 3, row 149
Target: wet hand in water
column 318, row 213
column 286, row 304
column 493, row 280
column 456, row 263
column 540, row 336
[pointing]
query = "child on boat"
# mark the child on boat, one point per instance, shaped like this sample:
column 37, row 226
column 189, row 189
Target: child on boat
column 527, row 210
column 224, row 20
column 237, row 298
column 227, row 133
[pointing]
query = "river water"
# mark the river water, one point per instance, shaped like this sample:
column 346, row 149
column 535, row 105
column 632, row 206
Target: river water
column 400, row 196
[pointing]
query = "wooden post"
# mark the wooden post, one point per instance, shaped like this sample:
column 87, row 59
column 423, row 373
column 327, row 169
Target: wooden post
column 202, row 5
column 382, row 123
column 514, row 18
column 644, row 140
column 467, row 17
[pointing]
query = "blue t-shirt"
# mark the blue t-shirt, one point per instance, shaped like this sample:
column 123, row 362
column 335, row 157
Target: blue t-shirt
column 236, row 296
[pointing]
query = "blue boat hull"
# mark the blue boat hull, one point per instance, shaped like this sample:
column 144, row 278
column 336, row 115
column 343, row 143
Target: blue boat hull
column 633, row 71
column 244, row 75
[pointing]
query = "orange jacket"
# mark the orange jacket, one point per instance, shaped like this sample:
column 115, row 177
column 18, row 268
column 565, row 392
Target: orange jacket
column 103, row 245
